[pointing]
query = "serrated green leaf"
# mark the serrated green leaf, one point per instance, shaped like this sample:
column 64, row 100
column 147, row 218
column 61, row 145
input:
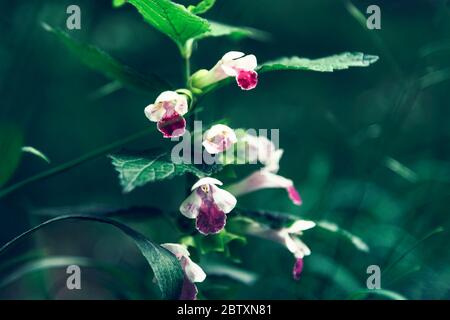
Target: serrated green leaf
column 100, row 61
column 165, row 266
column 10, row 144
column 237, row 33
column 202, row 7
column 172, row 19
column 328, row 64
column 138, row 169
column 35, row 152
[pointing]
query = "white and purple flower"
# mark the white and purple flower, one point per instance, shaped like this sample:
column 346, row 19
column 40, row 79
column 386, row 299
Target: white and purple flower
column 289, row 238
column 233, row 64
column 168, row 111
column 265, row 151
column 208, row 204
column 219, row 138
column 192, row 272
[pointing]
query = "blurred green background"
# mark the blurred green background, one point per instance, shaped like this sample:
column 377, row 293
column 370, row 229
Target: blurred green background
column 368, row 148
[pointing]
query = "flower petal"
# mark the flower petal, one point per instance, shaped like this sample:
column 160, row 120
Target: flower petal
column 232, row 55
column 246, row 63
column 298, row 268
column 178, row 250
column 297, row 247
column 182, row 105
column 272, row 162
column 207, row 180
column 219, row 138
column 193, row 271
column 167, row 96
column 172, row 126
column 301, row 225
column 189, row 290
column 224, row 200
column 247, row 79
column 211, row 219
column 212, row 148
column 154, row 112
column 263, row 179
column 190, row 207
column 294, row 195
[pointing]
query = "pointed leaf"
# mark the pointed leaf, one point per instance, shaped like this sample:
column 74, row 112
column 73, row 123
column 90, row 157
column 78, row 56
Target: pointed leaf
column 100, row 61
column 36, row 152
column 328, row 64
column 165, row 266
column 388, row 294
column 138, row 169
column 220, row 30
column 202, row 7
column 172, row 19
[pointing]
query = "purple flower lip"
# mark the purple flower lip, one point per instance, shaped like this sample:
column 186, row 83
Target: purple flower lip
column 208, row 205
column 211, row 219
column 189, row 290
column 298, row 268
column 172, row 126
column 247, row 79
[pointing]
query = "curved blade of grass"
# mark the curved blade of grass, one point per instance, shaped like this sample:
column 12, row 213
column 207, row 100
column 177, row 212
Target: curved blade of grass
column 10, row 143
column 417, row 244
column 355, row 240
column 165, row 266
column 391, row 295
column 47, row 263
column 36, row 152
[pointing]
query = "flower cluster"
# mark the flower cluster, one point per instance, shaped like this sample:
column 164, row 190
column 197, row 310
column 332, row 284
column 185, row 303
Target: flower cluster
column 208, row 202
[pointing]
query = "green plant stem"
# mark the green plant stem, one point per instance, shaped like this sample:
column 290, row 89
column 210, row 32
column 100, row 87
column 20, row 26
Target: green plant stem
column 75, row 162
column 190, row 179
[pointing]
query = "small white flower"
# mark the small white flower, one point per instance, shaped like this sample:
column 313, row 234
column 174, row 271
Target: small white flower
column 265, row 151
column 233, row 64
column 289, row 238
column 192, row 272
column 263, row 179
column 208, row 204
column 168, row 111
column 219, row 138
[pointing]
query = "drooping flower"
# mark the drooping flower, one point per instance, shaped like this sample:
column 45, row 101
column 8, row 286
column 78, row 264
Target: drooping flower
column 263, row 179
column 168, row 111
column 208, row 204
column 288, row 237
column 192, row 271
column 233, row 64
column 219, row 138
column 259, row 148
column 265, row 151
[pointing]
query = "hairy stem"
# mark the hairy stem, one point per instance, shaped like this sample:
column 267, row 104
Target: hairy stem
column 190, row 179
